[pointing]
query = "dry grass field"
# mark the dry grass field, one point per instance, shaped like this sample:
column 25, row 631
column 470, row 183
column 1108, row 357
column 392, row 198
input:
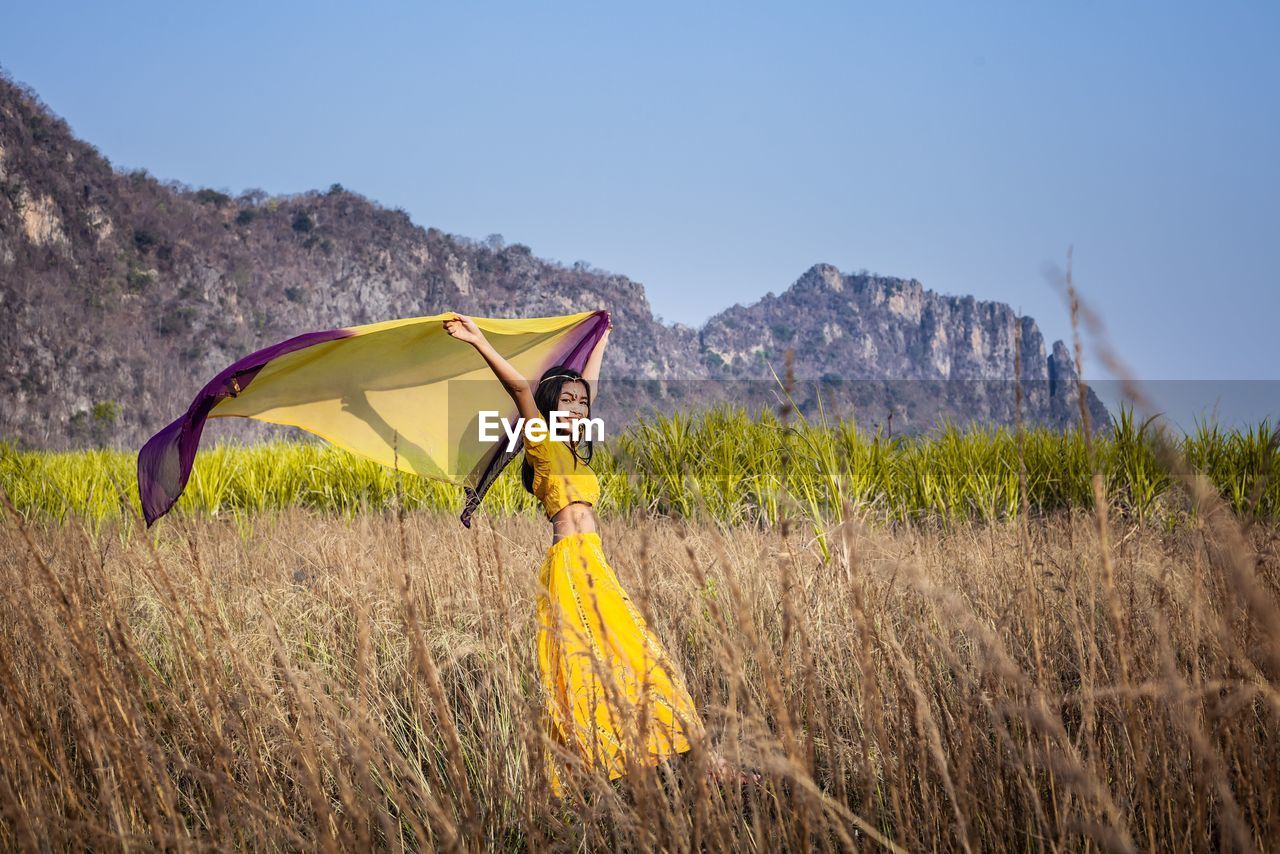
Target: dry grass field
column 300, row 680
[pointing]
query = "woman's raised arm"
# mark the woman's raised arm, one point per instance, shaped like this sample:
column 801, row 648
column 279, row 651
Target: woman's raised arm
column 591, row 371
column 464, row 329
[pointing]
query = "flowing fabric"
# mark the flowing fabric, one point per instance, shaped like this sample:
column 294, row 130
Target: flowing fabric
column 402, row 392
column 612, row 691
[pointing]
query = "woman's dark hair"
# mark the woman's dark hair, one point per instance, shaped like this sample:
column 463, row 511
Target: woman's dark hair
column 547, row 397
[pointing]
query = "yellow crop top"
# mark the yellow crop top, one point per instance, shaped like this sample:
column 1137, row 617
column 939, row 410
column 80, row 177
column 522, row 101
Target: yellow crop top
column 559, row 478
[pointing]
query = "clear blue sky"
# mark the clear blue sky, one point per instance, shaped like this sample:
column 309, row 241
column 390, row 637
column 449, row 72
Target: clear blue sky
column 713, row 152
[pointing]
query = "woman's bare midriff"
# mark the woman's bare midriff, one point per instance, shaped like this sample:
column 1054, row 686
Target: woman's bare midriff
column 574, row 518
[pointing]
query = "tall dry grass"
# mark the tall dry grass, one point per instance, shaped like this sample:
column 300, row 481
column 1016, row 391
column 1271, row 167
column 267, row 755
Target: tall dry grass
column 292, row 680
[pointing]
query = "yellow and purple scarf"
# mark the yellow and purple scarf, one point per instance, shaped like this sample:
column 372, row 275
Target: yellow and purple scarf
column 402, row 393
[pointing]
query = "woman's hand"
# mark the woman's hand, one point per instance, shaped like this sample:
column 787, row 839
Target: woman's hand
column 464, row 329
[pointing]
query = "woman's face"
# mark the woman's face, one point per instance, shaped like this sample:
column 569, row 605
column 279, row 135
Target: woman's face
column 573, row 400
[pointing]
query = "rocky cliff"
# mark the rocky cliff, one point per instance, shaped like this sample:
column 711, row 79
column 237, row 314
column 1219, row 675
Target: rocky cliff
column 885, row 345
column 122, row 294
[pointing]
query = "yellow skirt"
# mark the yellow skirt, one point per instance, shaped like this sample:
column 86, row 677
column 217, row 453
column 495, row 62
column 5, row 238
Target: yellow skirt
column 611, row 689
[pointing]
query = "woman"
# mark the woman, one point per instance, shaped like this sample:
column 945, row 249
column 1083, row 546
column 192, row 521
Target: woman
column 612, row 690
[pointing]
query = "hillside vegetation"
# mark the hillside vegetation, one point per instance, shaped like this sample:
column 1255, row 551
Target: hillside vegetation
column 124, row 294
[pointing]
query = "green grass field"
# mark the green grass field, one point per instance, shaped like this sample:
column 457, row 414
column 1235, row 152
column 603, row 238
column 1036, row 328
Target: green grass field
column 720, row 466
column 311, row 653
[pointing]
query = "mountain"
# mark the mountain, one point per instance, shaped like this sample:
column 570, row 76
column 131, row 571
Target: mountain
column 884, row 345
column 123, row 294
